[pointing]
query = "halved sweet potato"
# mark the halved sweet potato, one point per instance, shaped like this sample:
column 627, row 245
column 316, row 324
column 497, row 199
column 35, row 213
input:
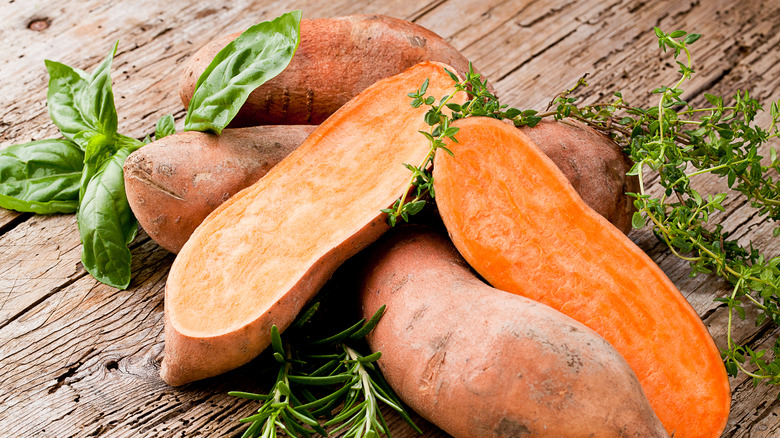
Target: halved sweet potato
column 479, row 362
column 173, row 183
column 257, row 259
column 594, row 164
column 336, row 59
column 516, row 219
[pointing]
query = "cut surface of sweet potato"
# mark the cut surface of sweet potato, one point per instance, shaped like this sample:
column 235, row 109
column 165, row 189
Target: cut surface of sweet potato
column 257, row 259
column 515, row 218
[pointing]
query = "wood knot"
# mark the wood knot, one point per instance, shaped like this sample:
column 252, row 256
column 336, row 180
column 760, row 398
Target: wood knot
column 39, row 24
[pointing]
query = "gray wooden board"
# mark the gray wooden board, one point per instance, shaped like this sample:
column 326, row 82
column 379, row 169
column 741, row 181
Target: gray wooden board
column 78, row 358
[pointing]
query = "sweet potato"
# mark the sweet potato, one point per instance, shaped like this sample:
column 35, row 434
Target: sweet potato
column 336, row 59
column 594, row 164
column 479, row 362
column 529, row 233
column 173, row 183
column 257, row 259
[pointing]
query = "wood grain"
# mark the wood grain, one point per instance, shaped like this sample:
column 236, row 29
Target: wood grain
column 81, row 359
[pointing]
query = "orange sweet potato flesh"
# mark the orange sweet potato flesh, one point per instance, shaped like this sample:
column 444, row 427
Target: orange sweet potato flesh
column 259, row 257
column 173, row 183
column 515, row 218
column 594, row 164
column 480, row 363
column 336, row 59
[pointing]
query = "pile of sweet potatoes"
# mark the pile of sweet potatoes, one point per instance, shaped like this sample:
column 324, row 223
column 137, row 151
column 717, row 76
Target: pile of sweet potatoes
column 262, row 216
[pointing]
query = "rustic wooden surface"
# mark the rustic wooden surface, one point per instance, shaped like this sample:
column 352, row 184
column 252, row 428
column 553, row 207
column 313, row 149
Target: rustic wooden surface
column 78, row 358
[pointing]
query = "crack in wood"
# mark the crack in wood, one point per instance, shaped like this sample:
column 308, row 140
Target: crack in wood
column 423, row 11
column 70, row 372
column 546, row 15
column 536, row 55
column 43, row 298
column 15, row 222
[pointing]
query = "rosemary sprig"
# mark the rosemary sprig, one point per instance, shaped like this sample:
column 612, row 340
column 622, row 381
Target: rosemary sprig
column 280, row 409
column 680, row 143
column 323, row 378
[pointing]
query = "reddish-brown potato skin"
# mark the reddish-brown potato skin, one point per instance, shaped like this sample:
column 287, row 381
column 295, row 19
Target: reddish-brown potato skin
column 336, row 59
column 594, row 164
column 480, row 362
column 173, row 183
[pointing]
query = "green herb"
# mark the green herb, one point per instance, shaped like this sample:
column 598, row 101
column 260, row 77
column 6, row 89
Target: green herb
column 349, row 387
column 82, row 172
column 82, row 105
column 679, row 142
column 106, row 224
column 481, row 102
column 41, row 177
column 165, row 127
column 257, row 55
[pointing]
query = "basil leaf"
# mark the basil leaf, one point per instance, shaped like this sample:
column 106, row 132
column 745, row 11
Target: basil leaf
column 165, row 127
column 79, row 102
column 97, row 149
column 107, row 224
column 97, row 100
column 257, row 55
column 65, row 83
column 41, row 177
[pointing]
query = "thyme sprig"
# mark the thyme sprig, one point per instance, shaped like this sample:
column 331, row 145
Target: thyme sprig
column 680, row 143
column 323, row 378
column 439, row 118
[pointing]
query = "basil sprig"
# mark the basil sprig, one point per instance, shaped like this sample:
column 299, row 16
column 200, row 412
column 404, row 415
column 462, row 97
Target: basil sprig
column 81, row 173
column 257, row 55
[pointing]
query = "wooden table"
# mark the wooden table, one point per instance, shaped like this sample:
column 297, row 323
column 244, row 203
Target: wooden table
column 78, row 358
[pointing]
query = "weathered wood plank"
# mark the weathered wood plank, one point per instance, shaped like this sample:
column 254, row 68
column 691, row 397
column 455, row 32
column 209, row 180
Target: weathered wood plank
column 81, row 359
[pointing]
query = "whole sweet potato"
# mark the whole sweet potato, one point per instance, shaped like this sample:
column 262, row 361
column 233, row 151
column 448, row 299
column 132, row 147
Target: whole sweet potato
column 479, row 362
column 336, row 59
column 173, row 183
column 594, row 165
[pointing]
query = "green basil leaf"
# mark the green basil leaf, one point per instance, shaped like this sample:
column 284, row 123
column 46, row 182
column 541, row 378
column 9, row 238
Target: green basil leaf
column 79, row 102
column 41, row 177
column 97, row 149
column 65, row 84
column 97, row 100
column 165, row 127
column 106, row 224
column 257, row 55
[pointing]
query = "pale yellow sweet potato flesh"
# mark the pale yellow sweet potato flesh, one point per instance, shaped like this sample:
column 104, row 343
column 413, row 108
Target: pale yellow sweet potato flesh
column 172, row 184
column 336, row 59
column 257, row 259
column 480, row 363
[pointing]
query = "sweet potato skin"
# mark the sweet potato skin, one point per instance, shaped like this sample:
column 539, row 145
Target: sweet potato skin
column 259, row 257
column 594, row 165
column 479, row 362
column 172, row 184
column 336, row 59
column 529, row 233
